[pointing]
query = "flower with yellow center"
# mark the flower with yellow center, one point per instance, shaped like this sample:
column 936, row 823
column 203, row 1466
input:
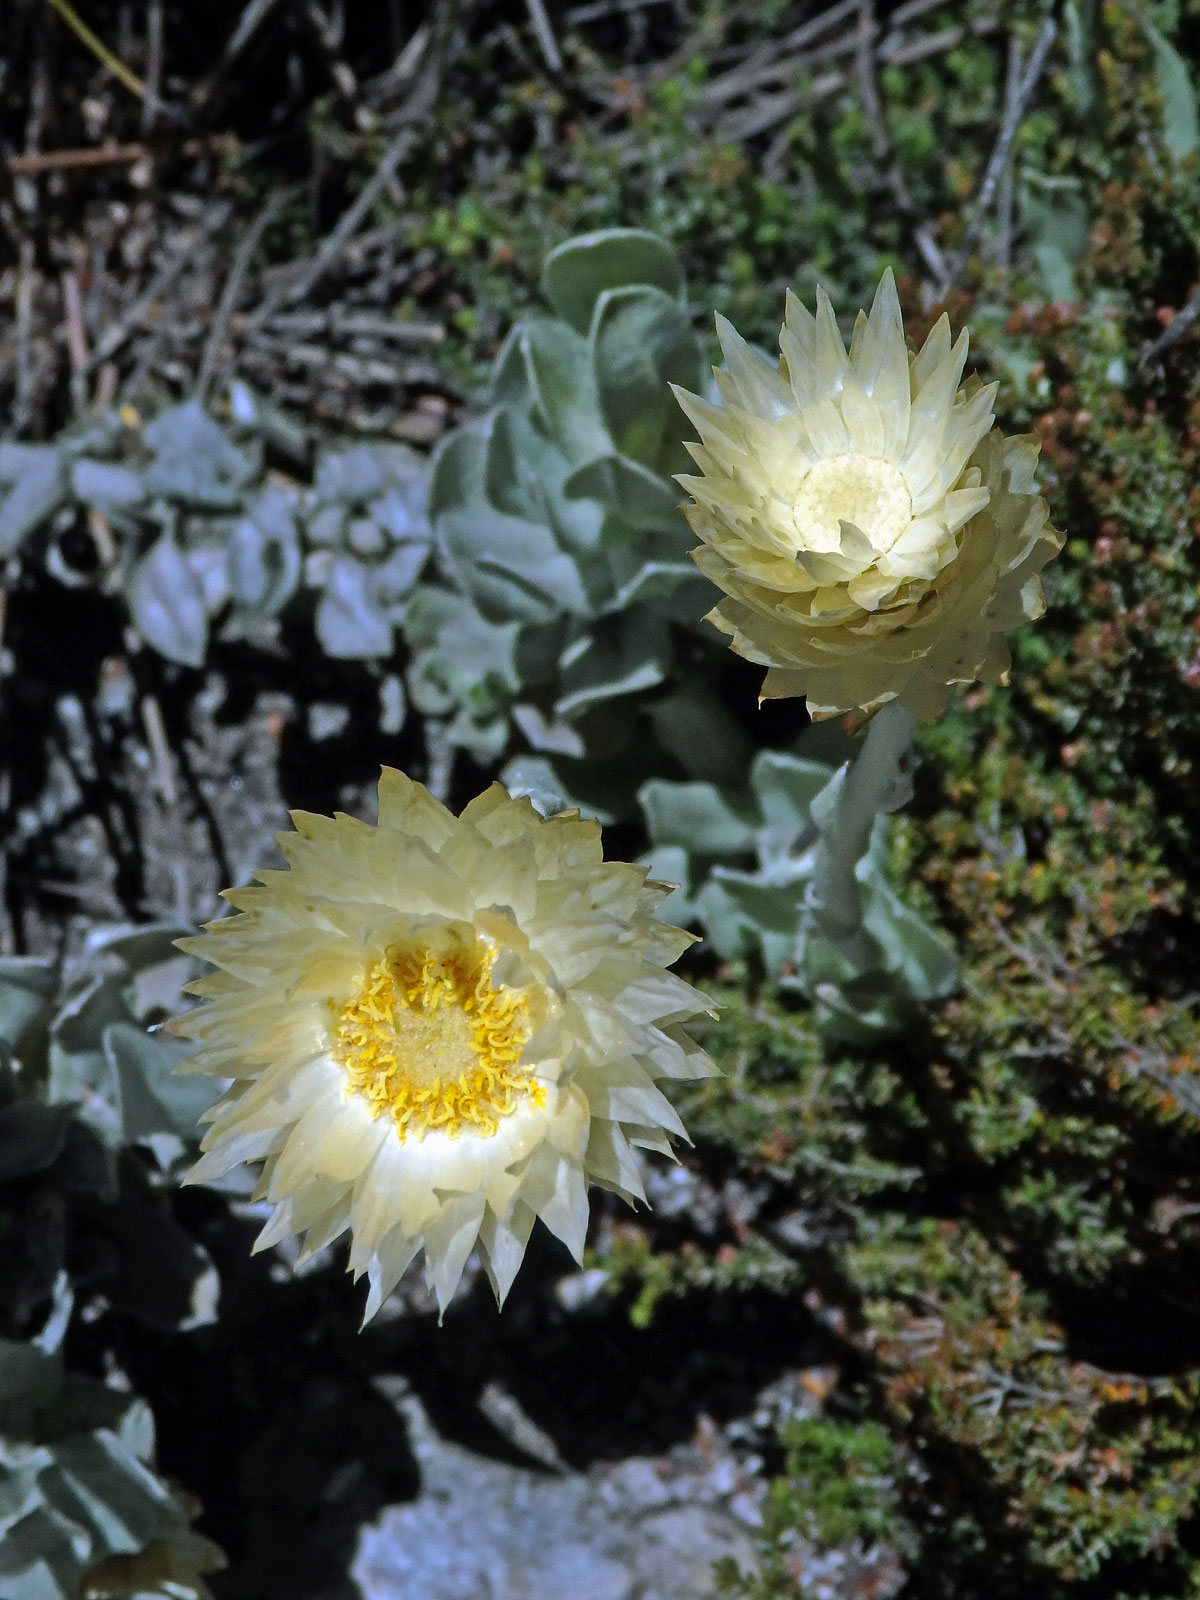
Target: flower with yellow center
column 440, row 1029
column 872, row 531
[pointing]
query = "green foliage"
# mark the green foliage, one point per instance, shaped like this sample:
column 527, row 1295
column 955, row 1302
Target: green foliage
column 1093, row 1467
column 180, row 518
column 557, row 522
column 82, row 1511
column 83, row 1082
column 993, row 1220
column 632, row 1264
column 701, row 834
column 839, row 1487
column 842, row 1477
column 94, row 1123
column 77, row 1038
column 1018, row 1301
column 832, row 1122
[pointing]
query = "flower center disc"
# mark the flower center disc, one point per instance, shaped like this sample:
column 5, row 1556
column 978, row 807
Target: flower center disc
column 430, row 1040
column 870, row 493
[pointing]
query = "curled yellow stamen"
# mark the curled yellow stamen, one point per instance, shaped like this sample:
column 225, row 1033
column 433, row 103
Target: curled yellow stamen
column 428, row 1039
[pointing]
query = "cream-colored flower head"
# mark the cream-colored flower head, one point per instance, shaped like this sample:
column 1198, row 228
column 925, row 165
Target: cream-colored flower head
column 439, row 1029
column 872, row 531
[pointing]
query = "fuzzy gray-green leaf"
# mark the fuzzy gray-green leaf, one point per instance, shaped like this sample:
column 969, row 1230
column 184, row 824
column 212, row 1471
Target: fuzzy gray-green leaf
column 579, row 271
column 154, row 1099
column 918, row 956
column 27, row 988
column 640, row 497
column 349, row 622
column 614, row 662
column 699, row 816
column 641, row 342
column 563, row 376
column 167, row 602
column 193, row 461
column 1173, row 80
column 39, row 487
column 511, row 567
column 695, row 725
column 264, row 555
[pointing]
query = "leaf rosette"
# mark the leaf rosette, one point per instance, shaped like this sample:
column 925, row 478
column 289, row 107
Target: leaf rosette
column 557, row 523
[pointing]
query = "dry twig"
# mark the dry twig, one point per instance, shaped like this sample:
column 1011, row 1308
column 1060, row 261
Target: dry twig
column 160, row 750
column 23, row 384
column 251, row 19
column 1001, row 152
column 1004, row 202
column 544, row 34
column 227, row 304
column 420, row 103
column 105, row 155
column 601, row 9
column 1172, row 333
column 881, row 141
column 152, row 103
column 76, row 338
column 116, row 335
column 99, row 49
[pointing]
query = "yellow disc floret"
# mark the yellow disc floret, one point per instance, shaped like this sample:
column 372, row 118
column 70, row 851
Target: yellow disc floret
column 852, row 488
column 429, row 1039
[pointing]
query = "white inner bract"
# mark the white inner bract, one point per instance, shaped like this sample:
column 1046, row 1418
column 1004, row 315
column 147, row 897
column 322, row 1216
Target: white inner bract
column 870, row 493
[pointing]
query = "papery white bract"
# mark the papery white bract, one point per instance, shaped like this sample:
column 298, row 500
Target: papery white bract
column 440, row 1029
column 872, row 531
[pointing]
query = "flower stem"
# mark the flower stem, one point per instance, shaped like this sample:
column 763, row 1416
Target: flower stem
column 878, row 780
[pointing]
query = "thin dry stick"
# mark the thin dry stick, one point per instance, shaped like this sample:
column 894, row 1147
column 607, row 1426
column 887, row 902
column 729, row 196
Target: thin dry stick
column 227, row 304
column 360, row 369
column 914, row 9
column 102, row 538
column 773, row 64
column 28, row 195
column 578, row 15
column 739, row 85
column 935, row 44
column 1001, row 153
column 767, row 113
column 881, row 142
column 116, row 335
column 329, row 33
column 105, row 155
column 1172, row 333
column 100, row 50
column 76, row 337
column 544, row 34
column 350, row 220
column 249, row 22
column 338, row 325
column 772, row 61
column 421, row 101
column 106, row 385
column 23, row 398
column 1004, row 202
column 152, row 103
column 160, row 750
